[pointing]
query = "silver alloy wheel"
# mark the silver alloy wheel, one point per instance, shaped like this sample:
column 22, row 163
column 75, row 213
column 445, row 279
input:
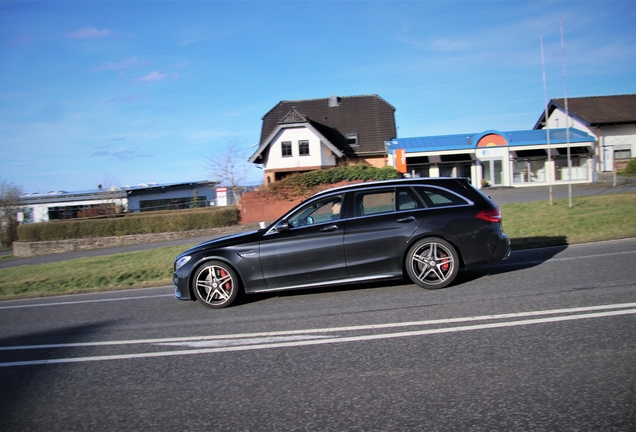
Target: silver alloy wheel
column 215, row 285
column 432, row 263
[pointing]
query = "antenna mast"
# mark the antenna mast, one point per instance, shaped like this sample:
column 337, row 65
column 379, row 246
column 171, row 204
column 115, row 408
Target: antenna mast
column 549, row 173
column 567, row 115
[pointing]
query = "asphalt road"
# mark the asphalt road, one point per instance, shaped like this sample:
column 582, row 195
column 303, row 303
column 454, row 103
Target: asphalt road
column 543, row 341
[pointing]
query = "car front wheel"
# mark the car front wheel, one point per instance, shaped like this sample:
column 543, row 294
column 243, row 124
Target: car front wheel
column 432, row 263
column 216, row 285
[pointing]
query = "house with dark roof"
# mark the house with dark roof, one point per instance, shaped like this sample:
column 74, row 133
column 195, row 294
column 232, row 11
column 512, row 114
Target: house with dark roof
column 307, row 135
column 610, row 119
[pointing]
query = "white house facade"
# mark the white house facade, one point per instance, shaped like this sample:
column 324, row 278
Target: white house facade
column 308, row 135
column 610, row 119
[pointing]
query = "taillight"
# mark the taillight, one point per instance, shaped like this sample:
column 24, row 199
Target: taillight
column 493, row 215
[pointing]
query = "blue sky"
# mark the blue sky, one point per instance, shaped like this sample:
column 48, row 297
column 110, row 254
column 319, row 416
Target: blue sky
column 129, row 92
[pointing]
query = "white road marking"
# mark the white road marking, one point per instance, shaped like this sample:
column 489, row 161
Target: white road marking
column 239, row 342
column 325, row 330
column 230, row 341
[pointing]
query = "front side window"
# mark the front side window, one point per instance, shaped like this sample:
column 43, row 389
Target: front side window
column 324, row 210
column 286, row 147
column 303, row 148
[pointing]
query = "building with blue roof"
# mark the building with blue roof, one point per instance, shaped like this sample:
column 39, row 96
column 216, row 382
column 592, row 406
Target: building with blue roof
column 496, row 158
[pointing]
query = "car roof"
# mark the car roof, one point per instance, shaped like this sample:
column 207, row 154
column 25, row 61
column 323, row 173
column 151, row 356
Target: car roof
column 396, row 182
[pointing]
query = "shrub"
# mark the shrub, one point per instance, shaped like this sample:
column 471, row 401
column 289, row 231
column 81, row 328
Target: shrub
column 306, row 184
column 144, row 223
column 630, row 169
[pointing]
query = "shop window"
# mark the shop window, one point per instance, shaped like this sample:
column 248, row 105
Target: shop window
column 529, row 171
column 579, row 168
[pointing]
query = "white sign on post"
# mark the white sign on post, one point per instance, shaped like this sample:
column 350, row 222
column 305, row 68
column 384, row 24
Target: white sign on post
column 221, row 196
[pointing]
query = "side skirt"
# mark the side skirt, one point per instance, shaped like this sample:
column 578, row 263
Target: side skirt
column 328, row 283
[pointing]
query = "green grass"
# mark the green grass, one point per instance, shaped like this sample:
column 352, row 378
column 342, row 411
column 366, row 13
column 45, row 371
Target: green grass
column 111, row 272
column 596, row 218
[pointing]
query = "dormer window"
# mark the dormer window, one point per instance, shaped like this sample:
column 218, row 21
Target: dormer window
column 351, row 140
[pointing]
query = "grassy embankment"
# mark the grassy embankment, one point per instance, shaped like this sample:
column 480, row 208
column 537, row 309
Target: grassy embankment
column 535, row 224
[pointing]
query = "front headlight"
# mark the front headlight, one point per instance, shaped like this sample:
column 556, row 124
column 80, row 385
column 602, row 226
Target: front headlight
column 181, row 262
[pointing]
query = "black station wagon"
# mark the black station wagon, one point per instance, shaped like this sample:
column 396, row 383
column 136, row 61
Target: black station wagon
column 418, row 229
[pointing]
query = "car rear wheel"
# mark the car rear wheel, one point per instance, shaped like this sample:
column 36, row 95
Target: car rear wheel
column 432, row 263
column 216, row 285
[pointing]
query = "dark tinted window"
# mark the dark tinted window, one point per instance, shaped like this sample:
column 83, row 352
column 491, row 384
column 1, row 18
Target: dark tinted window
column 374, row 202
column 408, row 200
column 434, row 197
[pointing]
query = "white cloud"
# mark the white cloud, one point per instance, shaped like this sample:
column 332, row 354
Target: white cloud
column 88, row 33
column 153, row 76
column 158, row 76
column 122, row 65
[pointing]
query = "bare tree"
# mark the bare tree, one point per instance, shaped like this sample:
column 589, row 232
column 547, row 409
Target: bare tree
column 9, row 208
column 228, row 165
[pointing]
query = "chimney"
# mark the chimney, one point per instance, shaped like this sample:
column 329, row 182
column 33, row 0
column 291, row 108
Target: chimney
column 334, row 101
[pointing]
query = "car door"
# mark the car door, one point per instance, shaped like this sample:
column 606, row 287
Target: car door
column 309, row 250
column 383, row 221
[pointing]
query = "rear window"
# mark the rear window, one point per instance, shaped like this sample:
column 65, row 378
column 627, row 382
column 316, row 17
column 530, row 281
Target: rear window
column 437, row 197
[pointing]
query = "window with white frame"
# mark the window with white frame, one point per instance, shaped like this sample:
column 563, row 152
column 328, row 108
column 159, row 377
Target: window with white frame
column 303, row 148
column 286, row 148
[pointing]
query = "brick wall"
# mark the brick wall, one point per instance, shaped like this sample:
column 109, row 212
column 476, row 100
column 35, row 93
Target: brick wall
column 259, row 206
column 255, row 207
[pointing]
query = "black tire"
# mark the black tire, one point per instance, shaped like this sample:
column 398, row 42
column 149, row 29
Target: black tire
column 216, row 285
column 432, row 263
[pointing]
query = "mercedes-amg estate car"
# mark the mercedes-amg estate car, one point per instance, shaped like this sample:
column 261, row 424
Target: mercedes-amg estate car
column 421, row 230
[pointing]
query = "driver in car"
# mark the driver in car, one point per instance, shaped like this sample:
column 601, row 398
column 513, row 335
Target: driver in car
column 335, row 209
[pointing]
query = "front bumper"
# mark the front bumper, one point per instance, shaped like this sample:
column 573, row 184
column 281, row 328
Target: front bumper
column 181, row 288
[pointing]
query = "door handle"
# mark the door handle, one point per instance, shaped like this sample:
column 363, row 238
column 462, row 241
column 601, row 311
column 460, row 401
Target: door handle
column 406, row 219
column 329, row 228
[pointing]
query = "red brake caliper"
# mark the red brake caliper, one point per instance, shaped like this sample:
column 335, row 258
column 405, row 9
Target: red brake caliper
column 445, row 267
column 227, row 286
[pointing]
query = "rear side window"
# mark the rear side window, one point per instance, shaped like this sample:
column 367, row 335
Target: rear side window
column 379, row 201
column 407, row 199
column 374, row 202
column 435, row 197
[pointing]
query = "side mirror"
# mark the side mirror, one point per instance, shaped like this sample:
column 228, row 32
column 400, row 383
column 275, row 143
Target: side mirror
column 281, row 226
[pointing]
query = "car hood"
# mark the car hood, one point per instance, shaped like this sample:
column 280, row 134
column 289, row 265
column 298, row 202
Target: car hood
column 231, row 240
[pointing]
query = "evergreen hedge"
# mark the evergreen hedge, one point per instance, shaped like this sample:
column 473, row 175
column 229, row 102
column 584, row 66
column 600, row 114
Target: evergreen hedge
column 138, row 223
